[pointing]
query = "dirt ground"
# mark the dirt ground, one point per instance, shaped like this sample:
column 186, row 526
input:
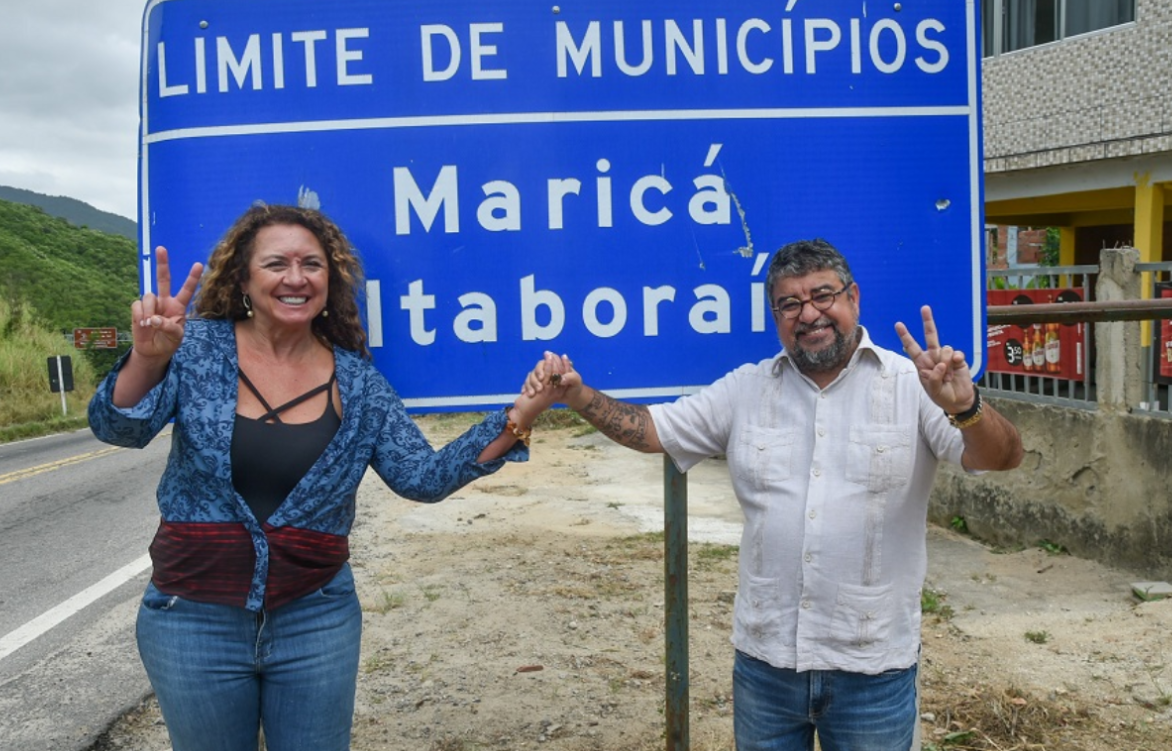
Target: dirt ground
column 527, row 612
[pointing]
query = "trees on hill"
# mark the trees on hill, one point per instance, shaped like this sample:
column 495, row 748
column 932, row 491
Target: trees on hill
column 69, row 277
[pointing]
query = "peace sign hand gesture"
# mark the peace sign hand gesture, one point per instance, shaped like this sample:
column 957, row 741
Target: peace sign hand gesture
column 157, row 319
column 157, row 324
column 943, row 371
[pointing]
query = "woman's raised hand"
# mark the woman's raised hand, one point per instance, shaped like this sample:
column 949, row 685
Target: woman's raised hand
column 158, row 317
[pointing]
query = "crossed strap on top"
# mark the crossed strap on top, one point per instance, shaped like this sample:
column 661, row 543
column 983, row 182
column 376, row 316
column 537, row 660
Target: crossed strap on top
column 273, row 412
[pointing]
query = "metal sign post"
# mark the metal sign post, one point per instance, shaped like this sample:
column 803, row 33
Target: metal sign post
column 61, row 377
column 675, row 568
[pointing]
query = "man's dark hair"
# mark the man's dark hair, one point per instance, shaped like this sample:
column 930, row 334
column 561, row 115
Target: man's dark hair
column 806, row 257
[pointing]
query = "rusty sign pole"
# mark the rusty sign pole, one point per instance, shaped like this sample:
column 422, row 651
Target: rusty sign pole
column 675, row 567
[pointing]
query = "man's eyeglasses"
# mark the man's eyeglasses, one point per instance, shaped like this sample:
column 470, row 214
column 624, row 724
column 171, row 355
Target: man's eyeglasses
column 791, row 307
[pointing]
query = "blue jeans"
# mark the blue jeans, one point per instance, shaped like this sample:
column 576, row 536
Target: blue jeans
column 221, row 672
column 779, row 710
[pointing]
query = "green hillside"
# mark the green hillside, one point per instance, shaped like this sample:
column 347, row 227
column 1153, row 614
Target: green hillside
column 77, row 213
column 27, row 407
column 71, row 277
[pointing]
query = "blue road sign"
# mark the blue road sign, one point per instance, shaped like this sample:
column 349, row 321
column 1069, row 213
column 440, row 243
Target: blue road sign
column 606, row 179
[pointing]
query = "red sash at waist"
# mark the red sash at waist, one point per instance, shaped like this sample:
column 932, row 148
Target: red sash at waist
column 214, row 561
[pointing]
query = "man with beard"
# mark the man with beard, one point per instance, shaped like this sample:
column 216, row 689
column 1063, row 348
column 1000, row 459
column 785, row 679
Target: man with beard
column 832, row 448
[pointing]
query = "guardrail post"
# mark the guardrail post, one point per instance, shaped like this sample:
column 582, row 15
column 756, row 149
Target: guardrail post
column 1118, row 366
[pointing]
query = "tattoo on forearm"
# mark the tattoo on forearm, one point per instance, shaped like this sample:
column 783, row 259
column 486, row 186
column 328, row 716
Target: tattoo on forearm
column 626, row 424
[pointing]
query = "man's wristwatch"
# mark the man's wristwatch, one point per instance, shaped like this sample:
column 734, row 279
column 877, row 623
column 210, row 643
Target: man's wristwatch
column 970, row 416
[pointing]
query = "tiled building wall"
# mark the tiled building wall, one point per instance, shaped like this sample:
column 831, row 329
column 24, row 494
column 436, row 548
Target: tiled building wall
column 1101, row 96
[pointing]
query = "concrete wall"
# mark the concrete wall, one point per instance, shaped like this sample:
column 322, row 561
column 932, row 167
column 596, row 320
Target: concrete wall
column 1098, row 483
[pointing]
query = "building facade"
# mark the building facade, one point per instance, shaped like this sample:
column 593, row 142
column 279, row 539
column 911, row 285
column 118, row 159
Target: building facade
column 1077, row 110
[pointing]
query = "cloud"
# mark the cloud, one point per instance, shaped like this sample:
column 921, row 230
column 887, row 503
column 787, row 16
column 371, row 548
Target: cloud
column 69, row 93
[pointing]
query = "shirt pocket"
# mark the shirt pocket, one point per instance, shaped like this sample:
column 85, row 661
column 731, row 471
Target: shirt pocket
column 862, row 617
column 764, row 456
column 763, row 613
column 879, row 458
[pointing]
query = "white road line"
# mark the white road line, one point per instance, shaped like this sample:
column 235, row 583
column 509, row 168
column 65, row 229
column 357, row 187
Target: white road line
column 14, row 640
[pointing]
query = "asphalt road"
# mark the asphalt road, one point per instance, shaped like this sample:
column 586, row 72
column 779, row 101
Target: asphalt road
column 76, row 518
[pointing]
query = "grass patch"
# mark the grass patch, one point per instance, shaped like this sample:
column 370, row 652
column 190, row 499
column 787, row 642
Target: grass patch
column 643, row 538
column 932, row 603
column 36, row 429
column 986, row 718
column 377, row 662
column 712, row 555
column 1037, row 637
column 27, row 407
column 448, row 425
column 1053, row 548
column 386, row 603
column 560, row 419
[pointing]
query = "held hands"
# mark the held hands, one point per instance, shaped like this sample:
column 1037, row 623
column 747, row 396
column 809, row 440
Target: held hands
column 553, row 379
column 943, row 370
column 538, row 393
column 157, row 320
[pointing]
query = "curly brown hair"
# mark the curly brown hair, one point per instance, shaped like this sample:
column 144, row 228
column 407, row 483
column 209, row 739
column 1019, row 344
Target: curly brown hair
column 219, row 293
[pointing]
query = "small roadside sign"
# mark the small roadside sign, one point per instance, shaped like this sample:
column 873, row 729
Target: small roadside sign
column 61, row 377
column 95, row 338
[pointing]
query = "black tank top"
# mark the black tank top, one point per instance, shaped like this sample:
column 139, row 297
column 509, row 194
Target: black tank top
column 270, row 458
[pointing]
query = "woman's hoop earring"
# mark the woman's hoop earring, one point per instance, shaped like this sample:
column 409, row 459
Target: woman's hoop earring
column 247, row 304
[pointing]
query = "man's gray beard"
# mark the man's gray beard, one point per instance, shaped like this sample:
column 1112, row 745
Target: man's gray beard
column 828, row 358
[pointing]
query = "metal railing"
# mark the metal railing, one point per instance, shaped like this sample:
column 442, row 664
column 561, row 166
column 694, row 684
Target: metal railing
column 1077, row 392
column 1156, row 384
column 1080, row 391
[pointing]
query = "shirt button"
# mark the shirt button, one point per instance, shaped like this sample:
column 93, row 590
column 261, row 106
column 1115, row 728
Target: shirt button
column 880, row 449
column 821, row 431
column 817, row 472
column 805, row 604
column 808, row 557
column 813, row 514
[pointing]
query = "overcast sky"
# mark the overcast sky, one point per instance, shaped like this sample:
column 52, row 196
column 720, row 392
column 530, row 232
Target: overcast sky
column 69, row 99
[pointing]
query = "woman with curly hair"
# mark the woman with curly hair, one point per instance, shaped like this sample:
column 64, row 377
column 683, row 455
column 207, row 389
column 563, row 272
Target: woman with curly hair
column 251, row 619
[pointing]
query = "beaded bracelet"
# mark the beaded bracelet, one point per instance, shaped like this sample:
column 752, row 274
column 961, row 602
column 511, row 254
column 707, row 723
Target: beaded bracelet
column 521, row 435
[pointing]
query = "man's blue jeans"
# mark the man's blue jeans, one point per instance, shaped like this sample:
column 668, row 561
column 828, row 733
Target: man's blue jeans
column 779, row 710
column 220, row 671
